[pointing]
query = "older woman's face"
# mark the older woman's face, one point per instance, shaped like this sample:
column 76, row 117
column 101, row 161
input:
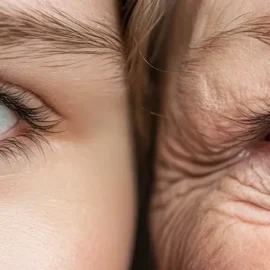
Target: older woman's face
column 66, row 179
column 211, row 208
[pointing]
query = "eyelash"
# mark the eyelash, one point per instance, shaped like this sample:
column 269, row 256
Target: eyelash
column 37, row 120
column 256, row 125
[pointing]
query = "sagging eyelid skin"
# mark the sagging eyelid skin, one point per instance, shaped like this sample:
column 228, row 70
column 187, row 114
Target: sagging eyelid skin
column 67, row 197
column 210, row 208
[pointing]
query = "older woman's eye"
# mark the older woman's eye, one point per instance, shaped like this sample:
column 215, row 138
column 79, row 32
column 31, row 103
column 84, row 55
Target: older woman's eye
column 24, row 121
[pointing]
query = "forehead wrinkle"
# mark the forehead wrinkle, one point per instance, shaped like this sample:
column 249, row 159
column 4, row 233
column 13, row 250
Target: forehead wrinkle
column 35, row 33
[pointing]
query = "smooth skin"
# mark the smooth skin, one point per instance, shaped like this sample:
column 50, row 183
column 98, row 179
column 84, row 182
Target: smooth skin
column 71, row 205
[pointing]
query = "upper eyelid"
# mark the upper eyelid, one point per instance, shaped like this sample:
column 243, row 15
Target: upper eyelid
column 18, row 100
column 253, row 124
column 237, row 128
column 50, row 105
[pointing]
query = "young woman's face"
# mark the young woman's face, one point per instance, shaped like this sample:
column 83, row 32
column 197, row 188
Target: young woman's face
column 66, row 174
column 212, row 199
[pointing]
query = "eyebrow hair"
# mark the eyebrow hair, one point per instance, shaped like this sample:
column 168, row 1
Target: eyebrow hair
column 257, row 28
column 34, row 34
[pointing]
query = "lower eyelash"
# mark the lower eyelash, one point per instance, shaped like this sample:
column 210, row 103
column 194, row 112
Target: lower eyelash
column 22, row 145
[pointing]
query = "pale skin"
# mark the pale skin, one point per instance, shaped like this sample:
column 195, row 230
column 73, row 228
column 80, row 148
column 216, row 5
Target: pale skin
column 211, row 204
column 70, row 203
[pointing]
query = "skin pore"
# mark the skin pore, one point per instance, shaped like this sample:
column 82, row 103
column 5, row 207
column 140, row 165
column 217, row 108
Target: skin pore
column 210, row 208
column 66, row 181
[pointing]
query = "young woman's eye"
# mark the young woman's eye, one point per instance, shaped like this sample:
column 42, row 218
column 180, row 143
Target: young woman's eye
column 24, row 121
column 8, row 119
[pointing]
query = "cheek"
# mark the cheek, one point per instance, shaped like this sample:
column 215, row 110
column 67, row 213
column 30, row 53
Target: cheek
column 218, row 221
column 65, row 216
column 37, row 242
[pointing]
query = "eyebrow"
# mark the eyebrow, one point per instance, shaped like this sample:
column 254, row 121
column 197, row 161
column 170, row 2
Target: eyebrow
column 258, row 28
column 35, row 33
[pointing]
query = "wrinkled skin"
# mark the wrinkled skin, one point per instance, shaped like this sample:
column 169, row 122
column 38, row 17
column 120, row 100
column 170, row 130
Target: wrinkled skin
column 210, row 208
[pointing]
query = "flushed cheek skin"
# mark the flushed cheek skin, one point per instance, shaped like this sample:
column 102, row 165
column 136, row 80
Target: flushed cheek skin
column 69, row 203
column 211, row 206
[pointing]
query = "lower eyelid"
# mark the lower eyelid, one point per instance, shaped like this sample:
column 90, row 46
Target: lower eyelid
column 14, row 131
